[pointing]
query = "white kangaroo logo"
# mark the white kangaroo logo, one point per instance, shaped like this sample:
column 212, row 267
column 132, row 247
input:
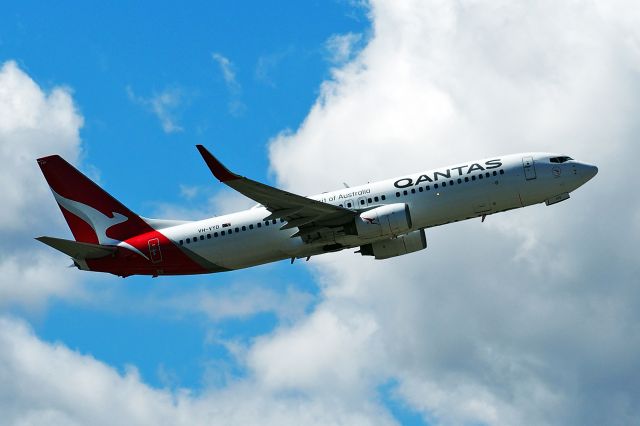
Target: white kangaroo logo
column 98, row 220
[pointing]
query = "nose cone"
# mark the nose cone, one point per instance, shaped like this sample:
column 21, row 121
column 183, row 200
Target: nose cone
column 587, row 171
column 591, row 171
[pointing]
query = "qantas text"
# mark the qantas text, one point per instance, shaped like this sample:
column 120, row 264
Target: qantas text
column 405, row 182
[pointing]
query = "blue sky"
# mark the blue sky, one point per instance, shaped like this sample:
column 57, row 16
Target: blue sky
column 278, row 56
column 517, row 320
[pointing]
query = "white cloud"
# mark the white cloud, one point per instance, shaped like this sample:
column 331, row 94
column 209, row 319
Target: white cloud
column 33, row 124
column 236, row 106
column 526, row 318
column 236, row 300
column 228, row 72
column 49, row 383
column 341, row 47
column 268, row 64
column 219, row 203
column 163, row 105
column 188, row 191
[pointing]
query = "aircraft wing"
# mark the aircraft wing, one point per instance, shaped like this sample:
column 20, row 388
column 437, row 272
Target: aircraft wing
column 300, row 212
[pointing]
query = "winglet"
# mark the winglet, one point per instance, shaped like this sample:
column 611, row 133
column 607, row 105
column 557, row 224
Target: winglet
column 217, row 168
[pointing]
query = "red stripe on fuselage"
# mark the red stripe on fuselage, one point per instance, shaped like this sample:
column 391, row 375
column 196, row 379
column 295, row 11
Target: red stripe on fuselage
column 127, row 262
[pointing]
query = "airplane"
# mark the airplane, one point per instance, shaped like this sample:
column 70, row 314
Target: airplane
column 381, row 219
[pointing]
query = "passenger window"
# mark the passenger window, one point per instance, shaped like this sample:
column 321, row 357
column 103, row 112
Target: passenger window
column 376, row 199
column 398, row 194
column 215, row 235
column 384, row 197
column 244, row 228
column 259, row 224
column 230, row 231
column 444, row 184
column 459, row 180
column 450, row 182
column 340, row 205
column 495, row 173
column 369, row 200
column 208, row 236
column 487, row 174
column 349, row 204
column 188, row 240
column 274, row 221
column 266, row 223
column 501, row 172
column 435, row 186
column 420, row 189
column 428, row 188
column 473, row 177
column 405, row 192
column 480, row 176
column 181, row 242
column 222, row 233
column 251, row 226
column 201, row 237
column 413, row 190
column 281, row 220
column 466, row 178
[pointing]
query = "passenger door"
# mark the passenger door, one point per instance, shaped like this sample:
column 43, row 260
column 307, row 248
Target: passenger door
column 529, row 168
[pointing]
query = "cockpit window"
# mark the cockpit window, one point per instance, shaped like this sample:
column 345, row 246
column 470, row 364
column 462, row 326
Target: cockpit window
column 560, row 159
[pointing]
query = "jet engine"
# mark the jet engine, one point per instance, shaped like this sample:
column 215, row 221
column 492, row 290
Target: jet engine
column 390, row 220
column 413, row 241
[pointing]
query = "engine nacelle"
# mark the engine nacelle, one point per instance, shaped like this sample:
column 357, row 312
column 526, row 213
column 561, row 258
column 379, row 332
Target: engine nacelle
column 413, row 241
column 390, row 220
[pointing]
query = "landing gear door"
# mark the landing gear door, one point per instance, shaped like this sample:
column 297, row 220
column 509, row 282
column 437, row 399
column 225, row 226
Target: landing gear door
column 529, row 168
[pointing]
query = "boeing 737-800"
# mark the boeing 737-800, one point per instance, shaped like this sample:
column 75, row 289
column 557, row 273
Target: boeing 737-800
column 382, row 219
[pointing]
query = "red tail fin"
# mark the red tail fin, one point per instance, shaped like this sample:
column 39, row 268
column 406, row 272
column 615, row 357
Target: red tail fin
column 93, row 215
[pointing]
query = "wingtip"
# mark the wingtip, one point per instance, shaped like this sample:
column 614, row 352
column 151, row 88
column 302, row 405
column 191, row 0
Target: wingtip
column 217, row 168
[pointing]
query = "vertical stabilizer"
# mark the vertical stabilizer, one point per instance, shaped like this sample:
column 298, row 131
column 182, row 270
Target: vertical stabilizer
column 93, row 215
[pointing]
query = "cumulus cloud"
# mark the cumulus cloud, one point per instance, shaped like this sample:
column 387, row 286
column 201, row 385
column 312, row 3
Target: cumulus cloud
column 33, row 123
column 163, row 105
column 237, row 300
column 528, row 317
column 49, row 383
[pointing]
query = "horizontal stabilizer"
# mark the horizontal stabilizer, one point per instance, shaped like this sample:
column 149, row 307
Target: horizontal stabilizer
column 78, row 250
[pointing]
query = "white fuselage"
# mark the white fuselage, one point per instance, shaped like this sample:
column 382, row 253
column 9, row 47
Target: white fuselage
column 434, row 197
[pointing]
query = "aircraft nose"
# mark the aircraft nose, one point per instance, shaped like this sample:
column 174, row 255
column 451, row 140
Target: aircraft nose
column 589, row 171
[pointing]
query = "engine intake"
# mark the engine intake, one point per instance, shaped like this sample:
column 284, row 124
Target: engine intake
column 409, row 243
column 390, row 220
